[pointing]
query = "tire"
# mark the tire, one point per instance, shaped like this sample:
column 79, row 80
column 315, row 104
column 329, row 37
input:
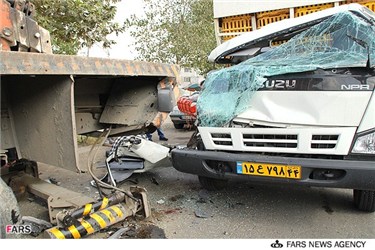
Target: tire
column 178, row 126
column 364, row 200
column 9, row 211
column 212, row 184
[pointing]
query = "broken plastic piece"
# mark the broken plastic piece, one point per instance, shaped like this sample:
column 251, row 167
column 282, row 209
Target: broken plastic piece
column 119, row 233
column 37, row 225
column 131, row 154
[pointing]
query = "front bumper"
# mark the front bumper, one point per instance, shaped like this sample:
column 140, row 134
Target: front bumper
column 353, row 174
column 178, row 120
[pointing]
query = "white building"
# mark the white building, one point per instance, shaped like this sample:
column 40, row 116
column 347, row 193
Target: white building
column 189, row 76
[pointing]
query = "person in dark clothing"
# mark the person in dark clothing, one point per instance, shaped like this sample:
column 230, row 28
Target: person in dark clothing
column 160, row 134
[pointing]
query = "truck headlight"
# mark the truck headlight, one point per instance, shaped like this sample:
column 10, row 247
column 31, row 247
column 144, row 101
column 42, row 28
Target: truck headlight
column 365, row 144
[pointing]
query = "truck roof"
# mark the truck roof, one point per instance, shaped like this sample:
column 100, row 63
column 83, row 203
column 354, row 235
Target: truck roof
column 252, row 43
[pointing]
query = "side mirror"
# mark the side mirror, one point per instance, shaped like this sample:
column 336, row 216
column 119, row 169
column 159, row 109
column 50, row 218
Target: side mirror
column 166, row 99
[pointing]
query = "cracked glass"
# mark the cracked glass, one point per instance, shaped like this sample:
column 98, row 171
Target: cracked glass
column 340, row 41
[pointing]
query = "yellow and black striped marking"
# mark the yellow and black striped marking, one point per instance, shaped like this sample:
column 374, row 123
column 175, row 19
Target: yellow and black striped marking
column 104, row 203
column 92, row 223
column 91, row 208
column 87, row 209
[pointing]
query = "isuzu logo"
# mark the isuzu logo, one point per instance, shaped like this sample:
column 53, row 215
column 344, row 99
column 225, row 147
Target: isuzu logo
column 280, row 84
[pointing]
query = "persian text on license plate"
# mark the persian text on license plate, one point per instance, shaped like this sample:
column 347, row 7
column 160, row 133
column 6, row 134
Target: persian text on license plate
column 267, row 169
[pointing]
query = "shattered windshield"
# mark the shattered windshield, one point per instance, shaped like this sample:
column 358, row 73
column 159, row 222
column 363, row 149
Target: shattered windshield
column 343, row 40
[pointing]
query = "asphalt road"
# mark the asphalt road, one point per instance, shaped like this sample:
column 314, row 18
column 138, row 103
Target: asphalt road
column 182, row 209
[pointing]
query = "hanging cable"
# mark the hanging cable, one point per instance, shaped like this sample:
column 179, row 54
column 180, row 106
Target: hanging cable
column 99, row 142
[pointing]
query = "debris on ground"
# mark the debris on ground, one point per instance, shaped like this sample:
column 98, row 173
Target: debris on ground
column 119, row 233
column 172, row 211
column 37, row 225
column 229, row 204
column 201, row 214
column 153, row 180
column 131, row 233
column 161, row 201
column 54, row 181
column 150, row 232
column 176, row 197
column 203, row 196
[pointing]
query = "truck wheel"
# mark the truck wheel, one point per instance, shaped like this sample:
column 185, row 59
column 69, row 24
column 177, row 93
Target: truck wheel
column 9, row 211
column 364, row 200
column 212, row 184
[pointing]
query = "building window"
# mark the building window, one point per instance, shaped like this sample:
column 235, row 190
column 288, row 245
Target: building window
column 187, row 70
column 187, row 79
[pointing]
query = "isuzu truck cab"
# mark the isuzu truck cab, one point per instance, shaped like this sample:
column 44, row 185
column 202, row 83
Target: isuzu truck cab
column 296, row 106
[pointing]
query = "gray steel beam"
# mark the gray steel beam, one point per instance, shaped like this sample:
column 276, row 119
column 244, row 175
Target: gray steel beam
column 42, row 108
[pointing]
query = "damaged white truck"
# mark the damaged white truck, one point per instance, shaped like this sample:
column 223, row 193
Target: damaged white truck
column 302, row 113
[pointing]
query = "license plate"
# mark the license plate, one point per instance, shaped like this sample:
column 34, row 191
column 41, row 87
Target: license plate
column 270, row 170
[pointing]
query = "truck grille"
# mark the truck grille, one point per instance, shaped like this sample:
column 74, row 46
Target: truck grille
column 270, row 140
column 324, row 141
column 222, row 139
column 297, row 140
